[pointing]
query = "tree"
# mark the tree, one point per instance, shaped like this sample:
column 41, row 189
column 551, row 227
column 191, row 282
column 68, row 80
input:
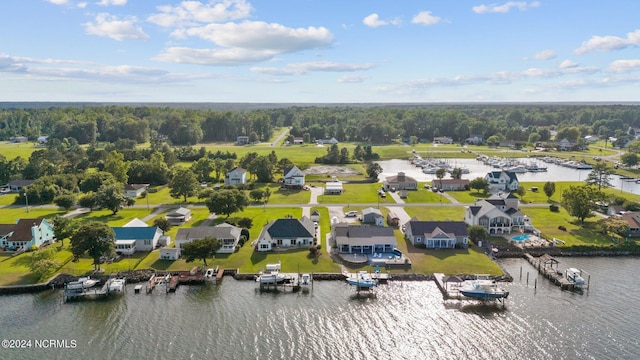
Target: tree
column 94, row 238
column 263, row 169
column 615, row 226
column 493, row 141
column 245, row 222
column 600, row 176
column 479, row 184
column 203, row 168
column 440, row 173
column 521, row 191
column 456, row 173
column 226, row 202
column 42, row 262
column 373, row 170
column 477, row 233
column 63, row 227
column 549, row 188
column 65, row 201
column 580, row 200
column 111, row 196
column 162, row 224
column 256, row 194
column 629, row 159
column 93, row 181
column 183, row 184
column 117, row 166
column 200, row 249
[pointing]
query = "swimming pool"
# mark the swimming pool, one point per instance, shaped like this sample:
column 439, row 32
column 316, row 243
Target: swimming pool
column 521, row 237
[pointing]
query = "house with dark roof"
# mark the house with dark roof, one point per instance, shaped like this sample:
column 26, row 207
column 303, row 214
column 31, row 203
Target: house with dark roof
column 633, row 220
column 178, row 216
column 293, row 178
column 475, row 140
column 134, row 190
column 437, row 234
column 373, row 216
column 229, row 235
column 26, row 233
column 285, row 233
column 502, row 181
column 400, row 182
column 236, row 176
column 363, row 239
column 242, row 140
column 16, row 186
column 132, row 239
column 499, row 214
column 442, row 140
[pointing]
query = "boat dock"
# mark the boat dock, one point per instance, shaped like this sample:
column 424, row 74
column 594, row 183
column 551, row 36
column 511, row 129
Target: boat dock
column 449, row 286
column 292, row 282
column 75, row 290
column 545, row 266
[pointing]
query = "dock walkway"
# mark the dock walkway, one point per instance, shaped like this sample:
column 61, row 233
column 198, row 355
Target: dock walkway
column 545, row 266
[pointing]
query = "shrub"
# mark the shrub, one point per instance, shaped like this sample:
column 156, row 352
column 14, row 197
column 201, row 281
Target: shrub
column 554, row 208
column 562, row 228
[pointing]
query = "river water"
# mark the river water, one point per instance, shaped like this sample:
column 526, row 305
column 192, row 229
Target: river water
column 405, row 320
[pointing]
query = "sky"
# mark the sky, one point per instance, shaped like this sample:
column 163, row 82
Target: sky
column 320, row 51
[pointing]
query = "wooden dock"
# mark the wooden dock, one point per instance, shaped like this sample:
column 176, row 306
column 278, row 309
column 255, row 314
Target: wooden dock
column 293, row 282
column 545, row 266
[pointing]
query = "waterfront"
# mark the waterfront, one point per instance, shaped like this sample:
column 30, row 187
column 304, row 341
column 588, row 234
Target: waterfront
column 405, row 320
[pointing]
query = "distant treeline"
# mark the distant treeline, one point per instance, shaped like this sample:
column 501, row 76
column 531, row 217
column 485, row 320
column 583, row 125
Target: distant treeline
column 374, row 124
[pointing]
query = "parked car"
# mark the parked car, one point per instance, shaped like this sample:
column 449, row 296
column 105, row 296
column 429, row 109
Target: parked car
column 352, row 213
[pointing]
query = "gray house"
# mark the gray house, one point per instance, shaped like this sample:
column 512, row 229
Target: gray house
column 284, row 233
column 372, row 216
column 437, row 234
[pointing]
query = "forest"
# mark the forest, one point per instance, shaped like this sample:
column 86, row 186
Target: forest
column 372, row 124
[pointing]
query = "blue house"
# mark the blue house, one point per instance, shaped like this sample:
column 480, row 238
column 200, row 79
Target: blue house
column 25, row 234
column 132, row 239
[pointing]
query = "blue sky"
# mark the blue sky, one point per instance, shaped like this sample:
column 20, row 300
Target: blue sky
column 312, row 51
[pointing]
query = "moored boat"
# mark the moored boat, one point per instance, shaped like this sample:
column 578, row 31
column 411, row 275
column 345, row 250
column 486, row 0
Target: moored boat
column 575, row 276
column 362, row 280
column 271, row 275
column 483, row 289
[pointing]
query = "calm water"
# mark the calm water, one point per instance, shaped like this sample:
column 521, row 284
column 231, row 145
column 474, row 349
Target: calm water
column 478, row 169
column 406, row 320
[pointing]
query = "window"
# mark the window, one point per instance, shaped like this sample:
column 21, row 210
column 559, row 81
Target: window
column 147, row 242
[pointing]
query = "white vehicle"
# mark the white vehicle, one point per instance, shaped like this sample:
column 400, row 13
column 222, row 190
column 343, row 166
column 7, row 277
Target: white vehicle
column 351, row 214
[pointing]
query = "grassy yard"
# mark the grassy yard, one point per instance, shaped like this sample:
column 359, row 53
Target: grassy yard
column 12, row 215
column 12, row 151
column 577, row 234
column 467, row 197
column 436, row 213
column 424, row 196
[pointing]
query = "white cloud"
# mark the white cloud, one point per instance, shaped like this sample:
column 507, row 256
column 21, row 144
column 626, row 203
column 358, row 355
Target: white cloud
column 352, row 79
column 543, row 55
column 81, row 5
column 305, row 67
column 110, row 26
column 609, row 43
column 218, row 57
column 624, row 66
column 567, row 64
column 190, row 13
column 374, row 21
column 425, row 18
column 258, row 35
column 505, row 8
column 112, row 2
column 58, row 2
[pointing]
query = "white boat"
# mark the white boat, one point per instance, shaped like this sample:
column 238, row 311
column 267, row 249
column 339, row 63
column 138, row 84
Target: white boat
column 362, row 280
column 483, row 289
column 271, row 275
column 518, row 169
column 575, row 276
column 430, row 170
column 211, row 274
column 88, row 282
column 115, row 285
column 305, row 279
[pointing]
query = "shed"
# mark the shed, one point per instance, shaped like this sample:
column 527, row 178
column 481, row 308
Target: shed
column 393, row 219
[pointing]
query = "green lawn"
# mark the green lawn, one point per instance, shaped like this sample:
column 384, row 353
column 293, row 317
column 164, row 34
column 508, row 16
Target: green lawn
column 424, row 196
column 7, row 199
column 11, row 151
column 577, row 234
column 12, row 215
column 436, row 213
column 292, row 196
column 467, row 197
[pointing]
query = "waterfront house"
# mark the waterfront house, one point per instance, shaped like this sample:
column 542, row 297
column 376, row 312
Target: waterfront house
column 167, row 253
column 26, row 233
column 502, row 180
column 363, row 239
column 400, row 182
column 372, row 216
column 293, row 178
column 229, row 236
column 162, row 241
column 565, row 145
column 178, row 216
column 450, row 184
column 283, row 233
column 134, row 239
column 237, row 176
column 135, row 190
column 437, row 234
column 499, row 214
column 633, row 220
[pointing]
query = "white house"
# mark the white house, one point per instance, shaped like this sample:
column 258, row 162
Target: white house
column 133, row 239
column 228, row 235
column 475, row 140
column 167, row 253
column 333, row 187
column 331, row 141
column 363, row 239
column 502, row 180
column 236, row 176
column 372, row 216
column 134, row 190
column 437, row 234
column 43, row 139
column 565, row 145
column 284, row 233
column 499, row 214
column 293, row 177
column 178, row 216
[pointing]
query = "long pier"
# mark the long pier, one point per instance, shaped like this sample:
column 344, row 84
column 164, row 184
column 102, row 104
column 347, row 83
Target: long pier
column 545, row 266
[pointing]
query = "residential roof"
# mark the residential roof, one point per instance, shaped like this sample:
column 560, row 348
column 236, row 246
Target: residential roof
column 291, row 228
column 632, row 219
column 6, row 229
column 136, row 223
column 437, row 228
column 238, row 170
column 20, row 183
column 292, row 171
column 371, row 210
column 22, row 231
column 363, row 234
column 134, row 233
column 451, row 181
column 181, row 211
column 221, row 231
column 401, row 177
column 135, row 186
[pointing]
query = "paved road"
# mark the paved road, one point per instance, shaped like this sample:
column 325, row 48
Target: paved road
column 284, row 133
